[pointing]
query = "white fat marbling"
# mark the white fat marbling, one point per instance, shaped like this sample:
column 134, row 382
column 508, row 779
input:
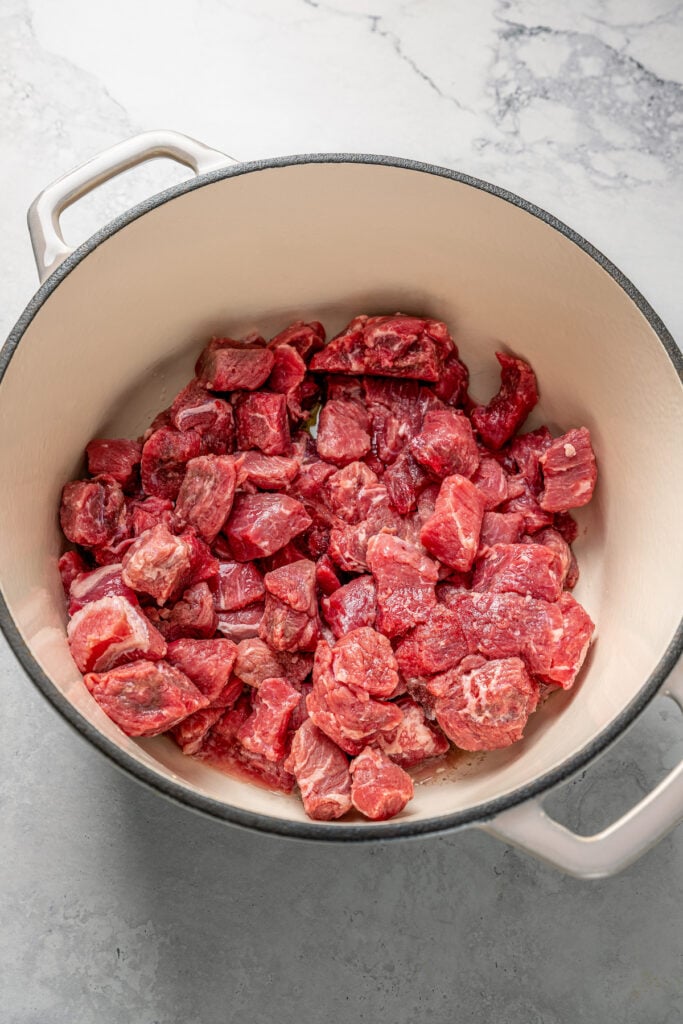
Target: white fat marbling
column 118, row 906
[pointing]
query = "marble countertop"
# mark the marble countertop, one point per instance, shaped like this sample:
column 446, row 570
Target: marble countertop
column 119, row 906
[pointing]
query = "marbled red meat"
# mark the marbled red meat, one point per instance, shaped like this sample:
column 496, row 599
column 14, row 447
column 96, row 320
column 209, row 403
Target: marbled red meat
column 262, row 423
column 103, row 582
column 164, row 460
column 290, row 620
column 206, row 494
column 569, row 472
column 265, row 731
column 526, row 450
column 192, row 615
column 351, row 606
column 353, row 491
column 500, row 528
column 91, row 511
column 497, row 422
column 242, row 624
column 392, row 346
column 71, row 564
column 193, row 730
column 305, row 338
column 289, row 369
column 194, row 408
column 492, row 481
column 380, row 789
column 326, row 576
column 267, row 472
column 451, row 534
column 256, row 661
column 157, row 563
column 261, row 524
column 416, row 739
column 107, row 632
column 236, row 585
column 571, row 647
column 227, row 365
column 208, row 663
column 343, row 431
column 533, row 569
column 148, row 512
column 446, row 444
column 405, row 579
column 118, row 459
column 321, row 771
column 145, row 698
column 405, row 480
column 434, row 646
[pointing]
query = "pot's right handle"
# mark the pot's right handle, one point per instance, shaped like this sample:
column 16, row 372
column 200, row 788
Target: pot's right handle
column 529, row 827
column 49, row 247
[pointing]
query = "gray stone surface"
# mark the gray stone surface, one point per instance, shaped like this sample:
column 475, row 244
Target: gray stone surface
column 118, row 906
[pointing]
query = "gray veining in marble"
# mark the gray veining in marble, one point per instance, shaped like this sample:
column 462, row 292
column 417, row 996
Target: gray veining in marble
column 118, row 906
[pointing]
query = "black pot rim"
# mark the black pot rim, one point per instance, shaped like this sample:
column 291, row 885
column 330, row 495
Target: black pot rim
column 314, row 830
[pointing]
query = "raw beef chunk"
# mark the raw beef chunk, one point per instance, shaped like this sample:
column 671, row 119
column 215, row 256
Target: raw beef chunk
column 340, row 703
column 322, row 773
column 434, row 646
column 392, row 346
column 405, row 580
column 290, row 621
column 206, row 494
column 265, row 731
column 492, row 480
column 192, row 616
column 535, row 518
column 211, row 417
column 305, row 338
column 118, row 459
column 526, row 450
column 343, row 432
column 91, row 586
column 148, row 512
column 326, row 576
column 262, row 423
column 380, row 789
column 500, row 528
column 497, row 422
column 311, row 479
column 509, row 625
column 208, row 663
column 256, row 662
column 404, row 480
column 415, row 740
column 146, row 697
column 353, row 491
column 261, row 524
column 165, row 455
column 91, row 511
column 532, row 569
column 569, row 472
column 110, row 631
column 453, row 381
column 351, row 606
column 157, row 563
column 572, row 647
column 288, row 371
column 566, row 525
column 484, row 705
column 71, row 565
column 555, row 541
column 446, row 444
column 236, row 585
column 451, row 534
column 226, row 365
column 267, row 472
column 241, row 624
column 192, row 731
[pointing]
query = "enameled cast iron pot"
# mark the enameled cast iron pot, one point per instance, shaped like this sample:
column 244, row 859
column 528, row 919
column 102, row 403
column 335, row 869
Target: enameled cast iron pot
column 113, row 333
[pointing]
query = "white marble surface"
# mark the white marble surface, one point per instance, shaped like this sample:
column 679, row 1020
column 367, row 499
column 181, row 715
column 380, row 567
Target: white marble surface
column 118, row 906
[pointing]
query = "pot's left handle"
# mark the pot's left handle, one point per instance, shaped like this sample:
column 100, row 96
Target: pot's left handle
column 49, row 247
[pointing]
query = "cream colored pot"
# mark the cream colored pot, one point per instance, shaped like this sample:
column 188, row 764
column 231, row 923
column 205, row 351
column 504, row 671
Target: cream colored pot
column 113, row 333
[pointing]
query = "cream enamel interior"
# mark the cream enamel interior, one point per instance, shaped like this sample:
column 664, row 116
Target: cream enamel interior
column 119, row 335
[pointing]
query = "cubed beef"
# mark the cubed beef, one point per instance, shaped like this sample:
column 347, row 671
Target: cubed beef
column 322, row 774
column 261, row 524
column 535, row 518
column 192, row 616
column 110, row 631
column 157, row 563
column 492, row 480
column 265, row 731
column 405, row 579
column 500, row 528
column 571, row 648
column 305, row 338
column 451, row 534
column 237, row 585
column 569, row 472
column 532, row 569
column 416, row 739
column 453, row 381
column 262, row 423
column 445, row 444
column 227, row 365
column 505, row 413
column 404, row 480
column 484, row 705
column 555, row 541
column 242, row 624
column 208, row 663
column 206, row 494
column 348, row 545
column 103, row 582
column 363, row 659
column 566, row 525
column 193, row 730
column 92, row 511
column 353, row 491
column 70, row 565
column 380, row 789
column 211, row 417
column 165, row 455
column 148, row 512
column 326, row 577
column 267, row 472
column 311, row 479
column 222, row 750
column 289, row 369
column 351, row 606
column 343, row 432
column 256, row 661
column 118, row 459
column 392, row 346
column 145, row 698
column 434, row 646
column 526, row 450
column 290, row 621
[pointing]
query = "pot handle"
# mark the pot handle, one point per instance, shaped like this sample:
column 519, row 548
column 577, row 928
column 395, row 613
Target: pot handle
column 528, row 827
column 49, row 247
